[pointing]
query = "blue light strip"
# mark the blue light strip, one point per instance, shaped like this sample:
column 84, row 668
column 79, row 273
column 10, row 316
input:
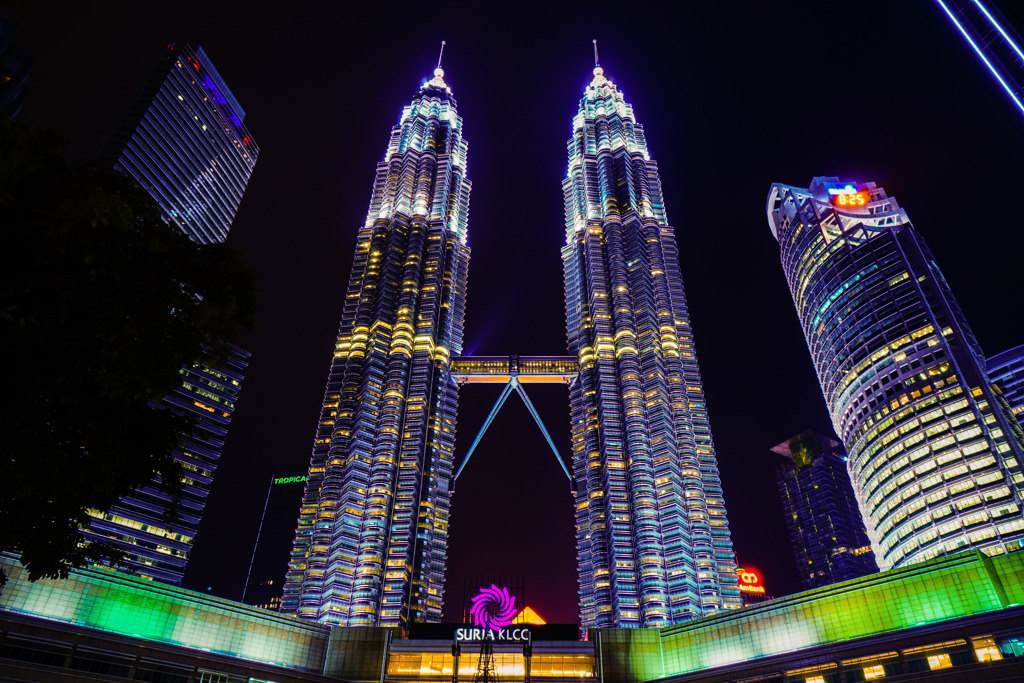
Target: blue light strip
column 981, row 54
column 487, row 423
column 1000, row 29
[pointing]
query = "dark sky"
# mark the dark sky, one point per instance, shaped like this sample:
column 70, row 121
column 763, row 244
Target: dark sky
column 733, row 97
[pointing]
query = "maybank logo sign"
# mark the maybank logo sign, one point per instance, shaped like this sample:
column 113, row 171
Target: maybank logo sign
column 290, row 480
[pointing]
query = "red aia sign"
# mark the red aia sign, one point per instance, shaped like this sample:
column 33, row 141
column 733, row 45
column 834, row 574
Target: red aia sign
column 749, row 577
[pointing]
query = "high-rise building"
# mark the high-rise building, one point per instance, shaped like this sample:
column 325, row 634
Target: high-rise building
column 157, row 547
column 1006, row 370
column 265, row 583
column 15, row 67
column 934, row 456
column 184, row 142
column 825, row 528
column 373, row 531
column 652, row 538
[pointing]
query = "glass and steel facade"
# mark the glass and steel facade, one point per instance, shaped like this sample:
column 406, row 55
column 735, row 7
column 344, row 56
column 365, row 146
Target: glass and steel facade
column 934, row 456
column 825, row 528
column 1006, row 371
column 373, row 529
column 155, row 547
column 184, row 142
column 652, row 538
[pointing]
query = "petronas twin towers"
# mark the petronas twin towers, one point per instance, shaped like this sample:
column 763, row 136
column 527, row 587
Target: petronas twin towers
column 653, row 542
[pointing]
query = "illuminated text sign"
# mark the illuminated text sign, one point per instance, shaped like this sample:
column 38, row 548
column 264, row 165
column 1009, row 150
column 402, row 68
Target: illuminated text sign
column 750, row 581
column 514, row 634
column 289, row 480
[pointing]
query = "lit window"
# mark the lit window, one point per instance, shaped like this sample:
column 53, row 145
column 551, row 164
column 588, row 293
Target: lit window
column 873, row 672
column 986, row 650
column 939, row 661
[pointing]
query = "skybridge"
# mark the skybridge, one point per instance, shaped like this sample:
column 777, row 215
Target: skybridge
column 513, row 372
column 501, row 369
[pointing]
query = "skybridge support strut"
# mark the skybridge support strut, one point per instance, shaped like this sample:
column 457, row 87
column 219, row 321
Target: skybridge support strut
column 514, row 383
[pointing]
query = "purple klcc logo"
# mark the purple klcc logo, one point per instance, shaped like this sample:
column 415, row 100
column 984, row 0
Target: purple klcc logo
column 493, row 608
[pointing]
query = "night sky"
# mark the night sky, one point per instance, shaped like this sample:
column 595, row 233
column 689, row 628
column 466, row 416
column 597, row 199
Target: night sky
column 733, row 97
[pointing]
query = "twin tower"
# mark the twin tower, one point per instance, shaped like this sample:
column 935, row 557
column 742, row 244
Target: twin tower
column 653, row 543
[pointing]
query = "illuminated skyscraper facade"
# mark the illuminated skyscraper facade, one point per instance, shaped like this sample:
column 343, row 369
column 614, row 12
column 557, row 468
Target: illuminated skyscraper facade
column 934, row 457
column 154, row 546
column 652, row 539
column 1006, row 370
column 184, row 142
column 373, row 529
column 825, row 528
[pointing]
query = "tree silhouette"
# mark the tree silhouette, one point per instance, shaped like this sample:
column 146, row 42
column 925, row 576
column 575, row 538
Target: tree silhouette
column 101, row 304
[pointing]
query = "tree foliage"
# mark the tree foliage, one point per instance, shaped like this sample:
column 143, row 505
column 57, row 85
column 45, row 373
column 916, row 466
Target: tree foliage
column 101, row 304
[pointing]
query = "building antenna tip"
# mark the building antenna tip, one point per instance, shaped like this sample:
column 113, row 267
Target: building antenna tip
column 440, row 55
column 597, row 62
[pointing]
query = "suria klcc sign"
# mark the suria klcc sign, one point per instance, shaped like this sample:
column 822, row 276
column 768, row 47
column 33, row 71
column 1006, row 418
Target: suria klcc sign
column 492, row 610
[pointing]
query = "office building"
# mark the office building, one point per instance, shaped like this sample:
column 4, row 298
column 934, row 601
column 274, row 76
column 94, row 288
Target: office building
column 952, row 619
column 652, row 538
column 1006, row 371
column 934, row 456
column 183, row 140
column 264, row 584
column 15, row 67
column 825, row 528
column 157, row 547
column 373, row 531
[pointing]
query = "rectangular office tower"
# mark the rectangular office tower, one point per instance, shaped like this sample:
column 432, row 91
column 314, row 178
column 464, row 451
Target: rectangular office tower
column 184, row 142
column 373, row 530
column 934, row 454
column 825, row 528
column 652, row 538
column 15, row 68
column 155, row 547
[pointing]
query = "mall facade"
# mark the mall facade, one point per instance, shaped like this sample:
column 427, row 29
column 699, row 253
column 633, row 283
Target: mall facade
column 953, row 618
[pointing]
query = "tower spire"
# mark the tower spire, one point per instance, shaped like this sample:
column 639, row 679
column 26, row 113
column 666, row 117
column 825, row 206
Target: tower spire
column 599, row 78
column 438, row 80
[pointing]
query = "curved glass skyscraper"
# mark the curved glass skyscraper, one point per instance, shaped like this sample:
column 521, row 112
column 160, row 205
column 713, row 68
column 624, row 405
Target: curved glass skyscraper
column 652, row 538
column 373, row 528
column 934, row 453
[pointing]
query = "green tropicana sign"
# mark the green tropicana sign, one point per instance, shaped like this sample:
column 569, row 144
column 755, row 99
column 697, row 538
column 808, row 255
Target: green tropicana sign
column 289, row 480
